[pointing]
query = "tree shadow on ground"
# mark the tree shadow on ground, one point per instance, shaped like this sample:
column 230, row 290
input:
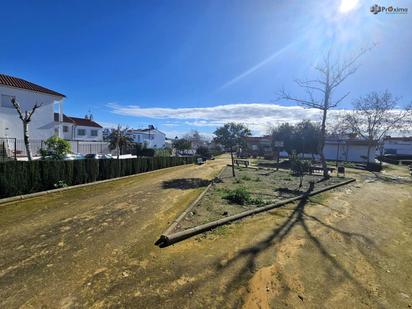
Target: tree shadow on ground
column 287, row 191
column 243, row 265
column 298, row 217
column 185, row 183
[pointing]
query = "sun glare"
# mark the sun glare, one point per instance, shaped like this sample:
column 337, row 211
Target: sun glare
column 347, row 5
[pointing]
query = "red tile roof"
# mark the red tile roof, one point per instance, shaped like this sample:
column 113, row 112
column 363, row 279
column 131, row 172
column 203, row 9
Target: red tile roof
column 65, row 118
column 77, row 121
column 24, row 84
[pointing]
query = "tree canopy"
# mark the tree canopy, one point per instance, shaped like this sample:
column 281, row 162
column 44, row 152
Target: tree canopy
column 300, row 138
column 232, row 135
column 182, row 144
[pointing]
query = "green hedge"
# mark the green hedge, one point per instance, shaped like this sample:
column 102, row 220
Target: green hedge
column 22, row 177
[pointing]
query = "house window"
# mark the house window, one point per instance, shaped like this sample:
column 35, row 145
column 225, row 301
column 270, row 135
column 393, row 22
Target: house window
column 81, row 132
column 6, row 100
column 93, row 132
column 65, row 129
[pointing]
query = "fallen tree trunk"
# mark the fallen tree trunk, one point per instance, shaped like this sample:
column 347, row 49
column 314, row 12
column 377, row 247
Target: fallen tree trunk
column 169, row 239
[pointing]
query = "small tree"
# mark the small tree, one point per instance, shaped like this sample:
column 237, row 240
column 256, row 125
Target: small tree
column 25, row 117
column 300, row 138
column 182, row 144
column 299, row 168
column 195, row 138
column 331, row 75
column 231, row 136
column 118, row 139
column 56, row 148
column 374, row 115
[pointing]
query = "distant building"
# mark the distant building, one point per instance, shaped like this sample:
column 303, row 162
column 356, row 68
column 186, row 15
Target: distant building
column 259, row 146
column 81, row 129
column 151, row 137
column 397, row 146
column 348, row 149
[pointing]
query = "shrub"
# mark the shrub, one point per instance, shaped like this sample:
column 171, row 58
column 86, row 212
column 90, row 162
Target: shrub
column 22, row 177
column 166, row 152
column 203, row 151
column 60, row 184
column 56, row 148
column 238, row 196
column 258, row 201
column 299, row 168
column 148, row 152
column 246, row 177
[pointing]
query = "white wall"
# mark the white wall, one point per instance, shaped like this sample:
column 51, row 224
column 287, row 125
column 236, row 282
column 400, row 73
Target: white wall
column 401, row 147
column 157, row 139
column 352, row 153
column 72, row 133
column 42, row 123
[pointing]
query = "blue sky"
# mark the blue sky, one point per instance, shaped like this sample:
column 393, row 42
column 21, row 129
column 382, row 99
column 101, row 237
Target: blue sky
column 183, row 65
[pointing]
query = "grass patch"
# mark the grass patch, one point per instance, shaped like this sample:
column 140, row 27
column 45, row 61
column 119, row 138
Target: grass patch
column 238, row 196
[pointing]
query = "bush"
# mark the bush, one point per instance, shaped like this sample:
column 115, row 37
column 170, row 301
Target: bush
column 299, row 167
column 56, row 148
column 203, row 151
column 165, row 152
column 22, row 177
column 238, row 196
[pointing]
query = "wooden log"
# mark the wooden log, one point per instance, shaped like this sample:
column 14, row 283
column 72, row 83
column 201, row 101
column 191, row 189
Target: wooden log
column 169, row 239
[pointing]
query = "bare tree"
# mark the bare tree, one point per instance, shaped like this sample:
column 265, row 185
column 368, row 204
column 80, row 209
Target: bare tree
column 331, row 75
column 375, row 114
column 25, row 117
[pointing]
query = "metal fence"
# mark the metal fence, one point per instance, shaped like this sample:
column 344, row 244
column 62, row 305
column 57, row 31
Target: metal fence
column 12, row 148
column 84, row 147
column 7, row 146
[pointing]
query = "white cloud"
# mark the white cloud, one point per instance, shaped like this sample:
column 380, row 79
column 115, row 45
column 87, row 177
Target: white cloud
column 258, row 116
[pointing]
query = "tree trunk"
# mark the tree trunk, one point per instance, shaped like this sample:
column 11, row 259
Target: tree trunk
column 381, row 155
column 26, row 139
column 233, row 162
column 367, row 154
column 322, row 145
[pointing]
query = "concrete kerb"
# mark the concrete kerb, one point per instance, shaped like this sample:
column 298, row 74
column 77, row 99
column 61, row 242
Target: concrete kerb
column 37, row 194
column 169, row 239
column 176, row 222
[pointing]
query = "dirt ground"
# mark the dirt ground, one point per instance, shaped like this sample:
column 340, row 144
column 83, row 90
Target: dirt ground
column 266, row 186
column 93, row 247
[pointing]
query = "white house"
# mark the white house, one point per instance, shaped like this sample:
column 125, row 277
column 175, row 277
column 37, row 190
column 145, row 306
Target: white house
column 81, row 129
column 397, row 146
column 152, row 137
column 27, row 94
column 348, row 149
